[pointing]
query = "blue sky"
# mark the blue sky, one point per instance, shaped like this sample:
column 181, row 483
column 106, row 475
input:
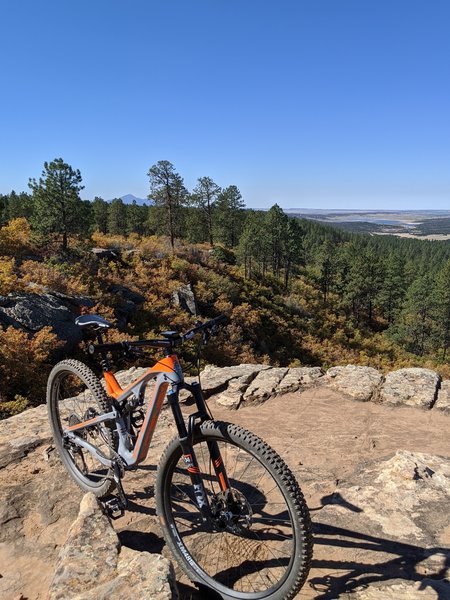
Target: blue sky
column 318, row 103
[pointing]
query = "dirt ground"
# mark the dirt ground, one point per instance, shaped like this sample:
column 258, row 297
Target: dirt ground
column 323, row 438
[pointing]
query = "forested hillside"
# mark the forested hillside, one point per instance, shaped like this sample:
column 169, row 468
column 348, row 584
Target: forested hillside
column 297, row 292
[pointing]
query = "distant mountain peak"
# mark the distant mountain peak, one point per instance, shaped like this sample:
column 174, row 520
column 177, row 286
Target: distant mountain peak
column 130, row 198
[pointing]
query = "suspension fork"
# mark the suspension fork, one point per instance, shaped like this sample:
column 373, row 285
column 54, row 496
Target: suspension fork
column 213, row 447
column 187, row 447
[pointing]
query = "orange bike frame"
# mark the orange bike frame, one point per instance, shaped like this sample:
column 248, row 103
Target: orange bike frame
column 167, row 372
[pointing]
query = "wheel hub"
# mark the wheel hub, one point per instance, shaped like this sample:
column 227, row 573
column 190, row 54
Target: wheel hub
column 231, row 512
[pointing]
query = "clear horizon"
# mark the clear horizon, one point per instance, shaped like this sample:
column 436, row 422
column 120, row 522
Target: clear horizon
column 326, row 105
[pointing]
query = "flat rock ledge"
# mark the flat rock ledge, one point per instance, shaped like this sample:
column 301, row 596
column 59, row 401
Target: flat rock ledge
column 411, row 387
column 403, row 502
column 360, row 383
column 249, row 384
column 92, row 566
column 255, row 383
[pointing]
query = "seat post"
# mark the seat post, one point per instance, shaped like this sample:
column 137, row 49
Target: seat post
column 105, row 364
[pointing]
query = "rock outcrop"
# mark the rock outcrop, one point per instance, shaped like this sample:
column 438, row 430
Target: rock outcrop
column 400, row 498
column 360, row 383
column 443, row 397
column 380, row 516
column 91, row 565
column 32, row 312
column 184, row 297
column 410, row 387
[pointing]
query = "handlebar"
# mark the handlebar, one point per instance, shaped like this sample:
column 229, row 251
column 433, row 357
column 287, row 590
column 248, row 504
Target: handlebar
column 211, row 325
column 171, row 338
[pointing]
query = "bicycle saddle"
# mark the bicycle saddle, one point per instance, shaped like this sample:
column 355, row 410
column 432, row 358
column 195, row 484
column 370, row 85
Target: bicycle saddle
column 92, row 321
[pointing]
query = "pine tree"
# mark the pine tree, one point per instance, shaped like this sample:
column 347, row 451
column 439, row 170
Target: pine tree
column 204, row 197
column 254, row 247
column 229, row 216
column 169, row 196
column 100, row 208
column 57, row 204
column 393, row 287
column 442, row 307
column 416, row 325
column 117, row 217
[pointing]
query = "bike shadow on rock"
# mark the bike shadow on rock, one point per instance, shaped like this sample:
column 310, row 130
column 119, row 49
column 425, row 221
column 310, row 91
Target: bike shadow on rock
column 362, row 573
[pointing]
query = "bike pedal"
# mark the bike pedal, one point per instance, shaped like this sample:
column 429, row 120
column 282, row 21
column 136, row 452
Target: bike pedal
column 114, row 507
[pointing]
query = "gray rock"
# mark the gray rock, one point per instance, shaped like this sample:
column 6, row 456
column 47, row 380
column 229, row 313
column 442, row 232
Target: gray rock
column 360, row 383
column 443, row 397
column 31, row 312
column 410, row 387
column 105, row 253
column 92, row 567
column 90, row 555
column 234, row 393
column 184, row 298
column 264, row 385
column 22, row 433
column 298, row 377
column 128, row 303
column 216, row 379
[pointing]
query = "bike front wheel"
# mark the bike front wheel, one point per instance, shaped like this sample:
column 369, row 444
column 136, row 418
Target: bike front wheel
column 75, row 395
column 262, row 552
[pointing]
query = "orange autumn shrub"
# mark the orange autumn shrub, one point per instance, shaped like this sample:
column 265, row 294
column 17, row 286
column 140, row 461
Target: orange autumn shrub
column 15, row 238
column 25, row 364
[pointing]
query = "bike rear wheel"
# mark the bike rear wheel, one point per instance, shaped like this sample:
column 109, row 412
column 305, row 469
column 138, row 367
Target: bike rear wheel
column 74, row 395
column 263, row 551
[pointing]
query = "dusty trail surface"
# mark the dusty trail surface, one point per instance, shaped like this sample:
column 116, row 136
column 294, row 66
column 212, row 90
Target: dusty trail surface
column 325, row 438
column 333, row 445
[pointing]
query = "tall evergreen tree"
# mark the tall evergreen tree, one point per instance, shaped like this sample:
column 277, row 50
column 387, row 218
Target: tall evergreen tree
column 100, row 208
column 204, row 197
column 229, row 215
column 442, row 307
column 254, row 246
column 327, row 268
column 57, row 204
column 169, row 196
column 393, row 287
column 136, row 218
column 117, row 217
column 415, row 328
column 293, row 249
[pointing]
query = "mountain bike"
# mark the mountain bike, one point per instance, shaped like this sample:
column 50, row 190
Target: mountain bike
column 230, row 510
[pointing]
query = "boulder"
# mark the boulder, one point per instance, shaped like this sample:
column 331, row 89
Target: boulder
column 184, row 298
column 360, row 383
column 298, row 377
column 106, row 253
column 264, row 385
column 216, row 379
column 443, row 397
column 31, row 312
column 128, row 303
column 91, row 565
column 410, row 387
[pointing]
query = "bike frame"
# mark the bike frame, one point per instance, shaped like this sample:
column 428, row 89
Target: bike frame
column 169, row 380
